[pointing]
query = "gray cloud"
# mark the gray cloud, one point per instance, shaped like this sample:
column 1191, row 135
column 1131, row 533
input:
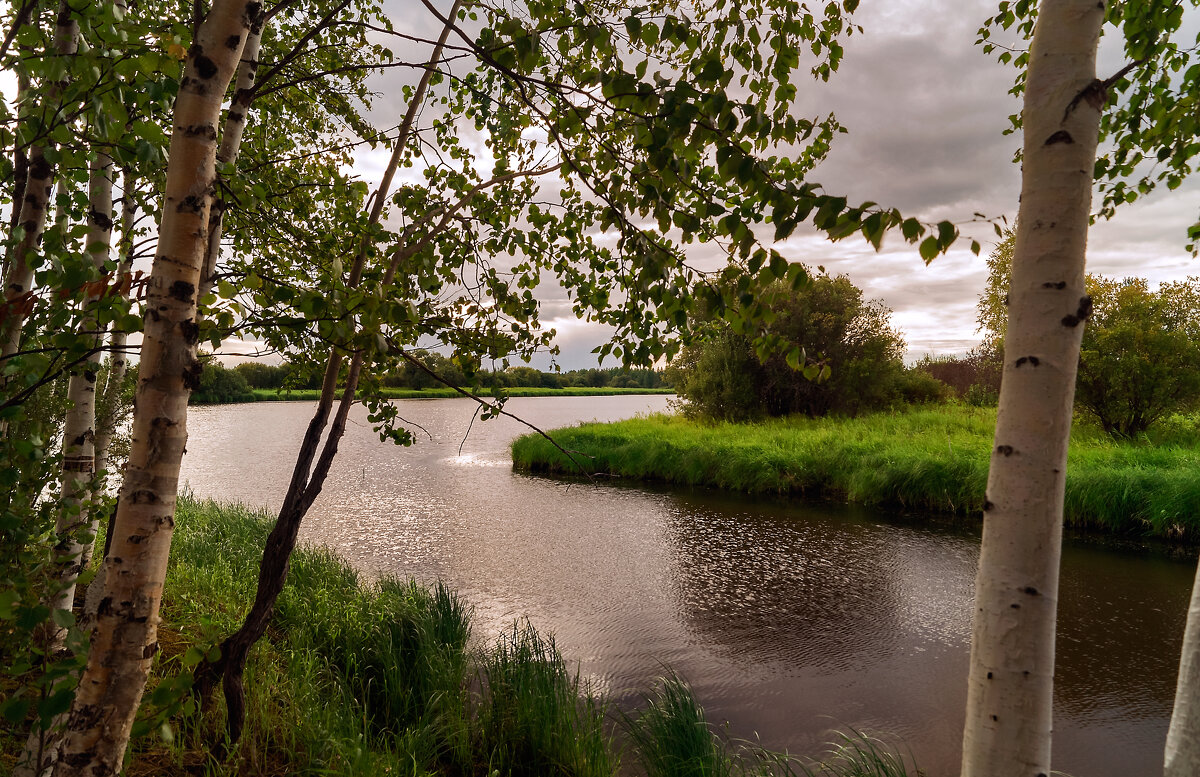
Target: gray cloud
column 926, row 110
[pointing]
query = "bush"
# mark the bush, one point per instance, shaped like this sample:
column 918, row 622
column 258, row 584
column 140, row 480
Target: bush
column 974, row 378
column 724, row 377
column 1140, row 357
column 219, row 385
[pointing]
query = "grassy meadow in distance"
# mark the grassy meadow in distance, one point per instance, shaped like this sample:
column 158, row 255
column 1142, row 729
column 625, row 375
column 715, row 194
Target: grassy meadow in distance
column 931, row 458
column 372, row 678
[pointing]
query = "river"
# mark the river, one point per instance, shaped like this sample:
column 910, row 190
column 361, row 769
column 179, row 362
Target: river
column 788, row 620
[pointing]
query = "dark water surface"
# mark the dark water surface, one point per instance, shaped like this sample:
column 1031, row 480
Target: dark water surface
column 788, row 620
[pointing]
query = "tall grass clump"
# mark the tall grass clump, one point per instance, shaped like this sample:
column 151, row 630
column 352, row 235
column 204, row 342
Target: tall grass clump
column 535, row 717
column 933, row 459
column 671, row 737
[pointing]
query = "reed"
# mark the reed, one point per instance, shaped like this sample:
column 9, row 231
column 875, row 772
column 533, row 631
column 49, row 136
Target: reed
column 378, row 677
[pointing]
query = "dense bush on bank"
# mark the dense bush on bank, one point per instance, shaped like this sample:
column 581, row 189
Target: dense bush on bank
column 931, row 459
column 358, row 678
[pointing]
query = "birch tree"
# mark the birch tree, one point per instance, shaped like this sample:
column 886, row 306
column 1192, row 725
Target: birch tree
column 1010, row 692
column 123, row 641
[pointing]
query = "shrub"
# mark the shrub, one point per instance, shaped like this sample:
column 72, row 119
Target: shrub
column 723, row 376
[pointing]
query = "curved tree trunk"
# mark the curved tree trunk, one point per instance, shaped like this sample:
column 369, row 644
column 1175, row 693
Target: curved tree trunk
column 124, row 638
column 1183, row 737
column 1008, row 725
column 305, row 486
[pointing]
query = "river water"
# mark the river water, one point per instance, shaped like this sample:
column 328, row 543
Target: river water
column 788, row 620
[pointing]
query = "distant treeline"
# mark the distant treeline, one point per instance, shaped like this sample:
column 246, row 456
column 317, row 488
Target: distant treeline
column 219, row 384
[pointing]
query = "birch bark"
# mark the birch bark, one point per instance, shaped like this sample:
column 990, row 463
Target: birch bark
column 39, row 183
column 1183, row 737
column 124, row 639
column 1008, row 725
column 79, row 427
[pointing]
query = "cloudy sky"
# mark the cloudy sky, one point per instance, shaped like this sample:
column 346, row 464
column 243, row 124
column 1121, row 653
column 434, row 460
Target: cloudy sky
column 926, row 110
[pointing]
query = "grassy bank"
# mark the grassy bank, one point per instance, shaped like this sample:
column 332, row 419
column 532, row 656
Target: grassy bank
column 384, row 678
column 286, row 395
column 932, row 459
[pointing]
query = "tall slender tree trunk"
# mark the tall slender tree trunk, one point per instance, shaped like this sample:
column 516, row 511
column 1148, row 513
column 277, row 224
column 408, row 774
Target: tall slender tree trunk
column 1183, row 737
column 79, row 428
column 1010, row 692
column 231, row 145
column 124, row 641
column 39, row 184
column 118, row 359
column 79, row 468
column 308, row 479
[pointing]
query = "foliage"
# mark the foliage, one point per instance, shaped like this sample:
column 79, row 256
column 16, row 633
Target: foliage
column 853, row 354
column 1140, row 357
column 220, row 385
column 1149, row 130
column 929, row 459
column 973, row 378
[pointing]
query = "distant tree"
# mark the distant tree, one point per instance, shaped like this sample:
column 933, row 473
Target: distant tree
column 853, row 356
column 1140, row 357
column 220, row 385
column 973, row 378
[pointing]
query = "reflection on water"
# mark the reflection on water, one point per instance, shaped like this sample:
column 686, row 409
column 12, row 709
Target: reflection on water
column 789, row 621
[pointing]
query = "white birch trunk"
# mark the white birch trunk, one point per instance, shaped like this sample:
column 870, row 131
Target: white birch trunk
column 118, row 359
column 1183, row 737
column 79, row 428
column 124, row 638
column 231, row 144
column 1010, row 691
column 38, row 187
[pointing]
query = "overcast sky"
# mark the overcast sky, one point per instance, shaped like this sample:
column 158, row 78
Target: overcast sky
column 925, row 110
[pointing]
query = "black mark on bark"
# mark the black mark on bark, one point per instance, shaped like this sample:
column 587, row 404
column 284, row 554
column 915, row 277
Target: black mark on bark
column 1062, row 136
column 205, row 67
column 1032, row 360
column 206, row 131
column 1004, row 450
column 1081, row 313
column 141, row 497
column 232, row 41
column 190, row 331
column 181, row 290
column 1060, row 285
column 1030, row 590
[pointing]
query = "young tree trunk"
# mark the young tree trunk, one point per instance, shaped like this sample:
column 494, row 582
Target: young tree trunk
column 124, row 638
column 305, row 486
column 1183, row 736
column 1009, row 701
column 79, row 427
column 118, row 359
column 39, row 184
column 231, row 144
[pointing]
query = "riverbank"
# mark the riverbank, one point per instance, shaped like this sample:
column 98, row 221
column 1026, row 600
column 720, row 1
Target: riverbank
column 385, row 678
column 310, row 395
column 932, row 459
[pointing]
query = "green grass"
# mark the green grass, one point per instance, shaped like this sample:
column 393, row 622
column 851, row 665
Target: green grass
column 271, row 395
column 370, row 678
column 930, row 459
column 671, row 737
